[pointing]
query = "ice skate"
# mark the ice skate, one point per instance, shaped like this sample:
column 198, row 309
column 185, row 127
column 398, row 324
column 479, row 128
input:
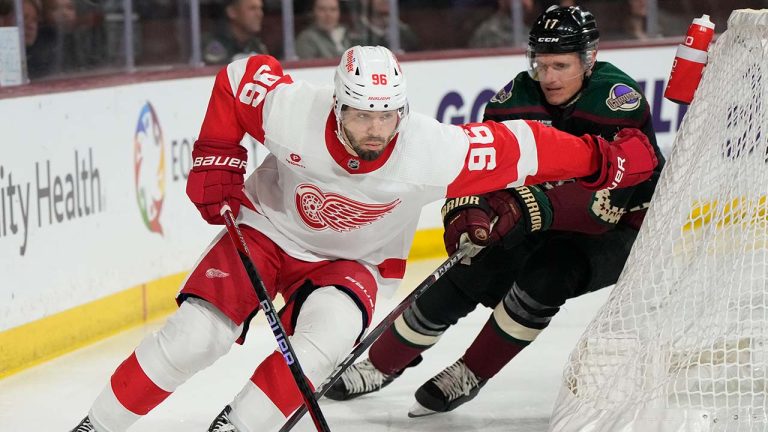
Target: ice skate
column 84, row 426
column 221, row 423
column 361, row 378
column 452, row 387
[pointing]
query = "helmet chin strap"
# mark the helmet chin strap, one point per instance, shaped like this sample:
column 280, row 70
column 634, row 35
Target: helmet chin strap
column 340, row 134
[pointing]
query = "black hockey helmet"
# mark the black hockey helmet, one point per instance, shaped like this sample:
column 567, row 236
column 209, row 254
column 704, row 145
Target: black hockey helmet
column 563, row 30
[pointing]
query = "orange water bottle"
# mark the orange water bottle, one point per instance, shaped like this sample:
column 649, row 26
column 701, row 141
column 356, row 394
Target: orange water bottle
column 690, row 59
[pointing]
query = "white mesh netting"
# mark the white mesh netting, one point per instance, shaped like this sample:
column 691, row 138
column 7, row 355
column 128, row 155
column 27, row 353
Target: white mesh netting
column 682, row 342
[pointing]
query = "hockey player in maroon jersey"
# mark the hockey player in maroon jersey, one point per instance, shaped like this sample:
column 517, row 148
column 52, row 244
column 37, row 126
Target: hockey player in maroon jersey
column 562, row 239
column 329, row 217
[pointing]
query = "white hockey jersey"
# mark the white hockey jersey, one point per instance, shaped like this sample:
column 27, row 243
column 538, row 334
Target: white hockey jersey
column 318, row 202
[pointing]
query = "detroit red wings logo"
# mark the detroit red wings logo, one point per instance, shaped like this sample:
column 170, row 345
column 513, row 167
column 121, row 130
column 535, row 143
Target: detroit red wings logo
column 320, row 210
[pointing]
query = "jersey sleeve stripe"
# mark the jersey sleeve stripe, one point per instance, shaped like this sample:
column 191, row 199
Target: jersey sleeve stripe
column 235, row 72
column 528, row 164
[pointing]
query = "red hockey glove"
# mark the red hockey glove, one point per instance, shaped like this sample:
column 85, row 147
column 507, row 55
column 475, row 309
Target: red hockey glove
column 466, row 219
column 216, row 176
column 628, row 160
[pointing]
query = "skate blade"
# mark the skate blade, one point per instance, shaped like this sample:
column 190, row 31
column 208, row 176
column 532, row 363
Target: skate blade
column 418, row 410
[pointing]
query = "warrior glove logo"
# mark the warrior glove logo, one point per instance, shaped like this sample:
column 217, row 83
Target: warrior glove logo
column 320, row 210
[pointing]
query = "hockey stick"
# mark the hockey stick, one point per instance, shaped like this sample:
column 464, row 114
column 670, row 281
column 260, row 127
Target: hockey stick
column 274, row 322
column 378, row 330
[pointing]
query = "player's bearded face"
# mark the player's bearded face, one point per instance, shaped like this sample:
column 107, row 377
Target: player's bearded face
column 560, row 76
column 368, row 132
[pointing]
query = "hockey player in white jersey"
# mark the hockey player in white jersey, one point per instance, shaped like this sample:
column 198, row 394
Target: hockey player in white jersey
column 329, row 218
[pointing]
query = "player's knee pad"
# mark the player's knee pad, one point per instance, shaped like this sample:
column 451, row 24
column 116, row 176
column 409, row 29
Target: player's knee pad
column 521, row 316
column 327, row 327
column 417, row 329
column 192, row 339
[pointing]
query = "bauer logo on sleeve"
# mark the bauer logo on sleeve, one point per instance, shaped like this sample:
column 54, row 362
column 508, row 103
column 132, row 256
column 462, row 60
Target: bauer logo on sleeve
column 623, row 98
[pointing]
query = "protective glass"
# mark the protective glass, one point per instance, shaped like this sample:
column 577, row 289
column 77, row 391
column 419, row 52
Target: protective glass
column 564, row 66
column 359, row 119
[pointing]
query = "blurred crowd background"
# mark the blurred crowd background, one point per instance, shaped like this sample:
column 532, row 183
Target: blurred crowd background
column 66, row 38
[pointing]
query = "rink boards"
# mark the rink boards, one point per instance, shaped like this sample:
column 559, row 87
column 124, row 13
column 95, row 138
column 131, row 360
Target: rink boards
column 96, row 231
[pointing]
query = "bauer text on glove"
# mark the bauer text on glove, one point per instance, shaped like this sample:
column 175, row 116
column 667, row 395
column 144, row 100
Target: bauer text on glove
column 217, row 175
column 626, row 161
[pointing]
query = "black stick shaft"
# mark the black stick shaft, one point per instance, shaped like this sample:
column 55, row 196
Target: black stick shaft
column 376, row 332
column 310, row 402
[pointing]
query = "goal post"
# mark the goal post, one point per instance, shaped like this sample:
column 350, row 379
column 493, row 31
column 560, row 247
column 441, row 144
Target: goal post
column 682, row 341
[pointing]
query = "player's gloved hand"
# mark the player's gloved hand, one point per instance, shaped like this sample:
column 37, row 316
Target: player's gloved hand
column 626, row 161
column 217, row 175
column 519, row 211
column 467, row 219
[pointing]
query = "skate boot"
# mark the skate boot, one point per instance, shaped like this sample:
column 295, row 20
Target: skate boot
column 221, row 422
column 452, row 387
column 84, row 426
column 361, row 378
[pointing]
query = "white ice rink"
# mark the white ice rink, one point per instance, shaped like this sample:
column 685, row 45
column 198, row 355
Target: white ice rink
column 53, row 397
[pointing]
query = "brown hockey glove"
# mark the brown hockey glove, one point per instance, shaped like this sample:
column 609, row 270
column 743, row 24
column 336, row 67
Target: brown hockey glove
column 506, row 215
column 466, row 219
column 626, row 161
column 519, row 211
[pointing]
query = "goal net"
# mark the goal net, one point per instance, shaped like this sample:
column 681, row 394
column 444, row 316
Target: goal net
column 682, row 342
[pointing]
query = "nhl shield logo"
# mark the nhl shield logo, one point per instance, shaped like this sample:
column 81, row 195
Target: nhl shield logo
column 353, row 164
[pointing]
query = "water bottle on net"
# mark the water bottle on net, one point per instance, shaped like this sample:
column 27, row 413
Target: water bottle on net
column 690, row 59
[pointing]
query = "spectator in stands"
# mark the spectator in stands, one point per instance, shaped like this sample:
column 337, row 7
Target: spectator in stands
column 239, row 36
column 497, row 30
column 326, row 37
column 634, row 24
column 31, row 10
column 63, row 46
column 372, row 27
column 6, row 13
